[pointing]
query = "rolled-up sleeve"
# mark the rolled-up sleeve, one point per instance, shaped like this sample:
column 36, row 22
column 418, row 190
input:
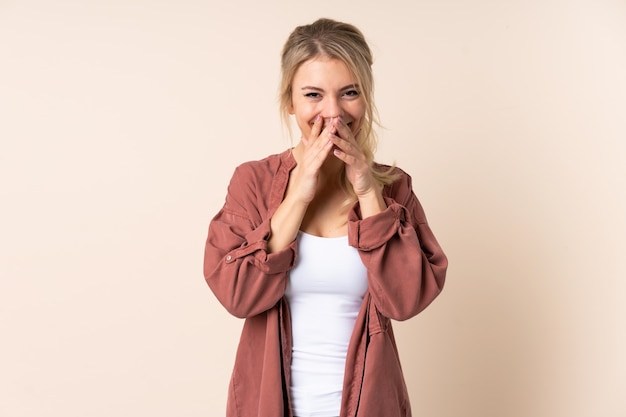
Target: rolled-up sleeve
column 406, row 265
column 243, row 275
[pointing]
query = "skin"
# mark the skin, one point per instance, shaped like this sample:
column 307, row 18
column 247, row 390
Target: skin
column 329, row 110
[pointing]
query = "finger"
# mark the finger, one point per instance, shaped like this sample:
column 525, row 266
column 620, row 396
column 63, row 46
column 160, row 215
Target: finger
column 344, row 131
column 340, row 154
column 348, row 151
column 346, row 157
column 345, row 146
column 316, row 129
column 319, row 148
column 323, row 142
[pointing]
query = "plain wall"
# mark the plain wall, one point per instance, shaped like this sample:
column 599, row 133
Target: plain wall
column 121, row 123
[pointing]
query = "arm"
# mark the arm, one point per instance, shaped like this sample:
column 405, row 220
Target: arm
column 247, row 256
column 286, row 222
column 406, row 266
column 244, row 276
column 302, row 187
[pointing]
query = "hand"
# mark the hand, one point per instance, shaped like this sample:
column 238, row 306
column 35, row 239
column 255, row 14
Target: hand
column 315, row 150
column 348, row 150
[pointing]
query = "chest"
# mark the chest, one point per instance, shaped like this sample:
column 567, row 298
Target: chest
column 327, row 267
column 327, row 216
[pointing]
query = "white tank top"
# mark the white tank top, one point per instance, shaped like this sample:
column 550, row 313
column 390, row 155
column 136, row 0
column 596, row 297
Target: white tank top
column 325, row 292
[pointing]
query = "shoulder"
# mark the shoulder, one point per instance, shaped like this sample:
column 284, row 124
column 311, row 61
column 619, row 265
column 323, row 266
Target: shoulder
column 402, row 180
column 402, row 192
column 253, row 183
column 264, row 168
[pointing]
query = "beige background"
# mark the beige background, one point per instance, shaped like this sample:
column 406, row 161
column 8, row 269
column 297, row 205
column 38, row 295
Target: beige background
column 122, row 121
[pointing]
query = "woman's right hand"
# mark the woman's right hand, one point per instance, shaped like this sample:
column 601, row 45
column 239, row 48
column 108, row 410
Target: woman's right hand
column 303, row 181
column 312, row 154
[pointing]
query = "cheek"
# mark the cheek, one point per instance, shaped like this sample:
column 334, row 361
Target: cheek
column 305, row 117
column 357, row 110
column 302, row 110
column 304, row 124
column 358, row 117
column 361, row 110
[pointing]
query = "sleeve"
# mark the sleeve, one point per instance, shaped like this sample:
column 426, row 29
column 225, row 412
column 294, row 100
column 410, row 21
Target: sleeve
column 245, row 278
column 406, row 266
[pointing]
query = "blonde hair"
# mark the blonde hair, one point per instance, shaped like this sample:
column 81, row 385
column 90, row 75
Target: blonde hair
column 342, row 41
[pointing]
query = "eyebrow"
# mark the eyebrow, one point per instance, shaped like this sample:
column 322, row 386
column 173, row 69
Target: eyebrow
column 347, row 87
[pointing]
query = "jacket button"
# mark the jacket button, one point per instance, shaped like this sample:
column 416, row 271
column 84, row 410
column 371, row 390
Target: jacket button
column 228, row 258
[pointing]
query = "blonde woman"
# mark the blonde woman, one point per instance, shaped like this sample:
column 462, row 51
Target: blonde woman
column 319, row 247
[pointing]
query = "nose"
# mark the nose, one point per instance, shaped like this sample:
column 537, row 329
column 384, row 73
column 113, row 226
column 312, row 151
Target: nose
column 331, row 109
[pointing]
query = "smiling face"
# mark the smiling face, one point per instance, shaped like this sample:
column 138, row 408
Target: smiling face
column 326, row 87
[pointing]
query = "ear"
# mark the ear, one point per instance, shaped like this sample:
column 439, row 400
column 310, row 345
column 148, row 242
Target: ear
column 290, row 109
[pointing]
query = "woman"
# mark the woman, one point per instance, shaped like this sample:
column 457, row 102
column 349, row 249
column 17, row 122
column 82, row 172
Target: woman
column 319, row 247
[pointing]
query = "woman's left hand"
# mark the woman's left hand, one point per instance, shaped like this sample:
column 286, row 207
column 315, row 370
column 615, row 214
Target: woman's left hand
column 348, row 150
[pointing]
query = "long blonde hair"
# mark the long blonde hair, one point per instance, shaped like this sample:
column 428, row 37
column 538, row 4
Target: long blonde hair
column 342, row 41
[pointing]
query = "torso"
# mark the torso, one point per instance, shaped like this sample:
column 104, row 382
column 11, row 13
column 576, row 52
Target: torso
column 325, row 292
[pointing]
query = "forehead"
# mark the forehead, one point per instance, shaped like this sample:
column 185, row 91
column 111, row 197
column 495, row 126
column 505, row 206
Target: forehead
column 323, row 70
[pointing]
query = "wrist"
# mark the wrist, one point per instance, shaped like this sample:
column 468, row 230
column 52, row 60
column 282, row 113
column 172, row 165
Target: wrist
column 371, row 202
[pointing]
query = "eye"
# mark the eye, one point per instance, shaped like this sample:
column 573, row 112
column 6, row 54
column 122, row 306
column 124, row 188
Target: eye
column 312, row 95
column 352, row 93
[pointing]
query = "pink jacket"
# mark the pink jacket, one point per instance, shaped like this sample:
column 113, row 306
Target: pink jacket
column 406, row 271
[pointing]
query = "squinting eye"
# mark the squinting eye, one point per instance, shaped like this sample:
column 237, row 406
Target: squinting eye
column 352, row 93
column 312, row 95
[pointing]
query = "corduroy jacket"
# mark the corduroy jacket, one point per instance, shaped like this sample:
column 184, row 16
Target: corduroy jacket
column 406, row 271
